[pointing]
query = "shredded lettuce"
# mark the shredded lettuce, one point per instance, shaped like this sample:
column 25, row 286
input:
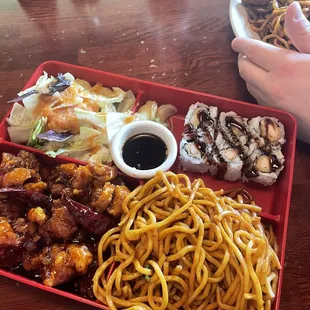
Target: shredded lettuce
column 115, row 121
column 92, row 142
column 88, row 118
column 105, row 97
column 19, row 134
column 127, row 103
column 103, row 155
column 20, row 117
column 37, row 128
column 53, row 154
column 79, row 145
column 31, row 102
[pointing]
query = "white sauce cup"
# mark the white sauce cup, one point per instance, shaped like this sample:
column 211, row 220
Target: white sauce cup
column 143, row 127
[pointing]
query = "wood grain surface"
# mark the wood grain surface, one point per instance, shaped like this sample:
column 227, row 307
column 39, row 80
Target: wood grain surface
column 184, row 43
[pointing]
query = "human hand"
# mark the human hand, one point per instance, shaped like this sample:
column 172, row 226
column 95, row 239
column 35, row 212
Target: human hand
column 277, row 77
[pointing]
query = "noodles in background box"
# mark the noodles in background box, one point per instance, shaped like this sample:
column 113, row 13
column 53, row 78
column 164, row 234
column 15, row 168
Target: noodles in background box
column 266, row 17
column 181, row 245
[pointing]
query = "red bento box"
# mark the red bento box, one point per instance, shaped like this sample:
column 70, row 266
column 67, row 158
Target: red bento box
column 274, row 200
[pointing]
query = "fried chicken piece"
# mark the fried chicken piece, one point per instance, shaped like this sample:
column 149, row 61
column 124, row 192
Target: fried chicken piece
column 45, row 173
column 16, row 238
column 24, row 159
column 67, row 170
column 37, row 215
column 36, row 187
column 72, row 180
column 102, row 173
column 57, row 189
column 32, row 260
column 61, row 263
column 46, row 237
column 8, row 238
column 62, row 175
column 11, row 209
column 8, row 162
column 29, row 161
column 102, row 197
column 24, row 228
column 17, row 177
column 61, row 225
column 10, row 245
column 81, row 178
column 115, row 208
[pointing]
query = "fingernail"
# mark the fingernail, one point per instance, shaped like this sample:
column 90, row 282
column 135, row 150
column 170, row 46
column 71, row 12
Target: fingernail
column 298, row 14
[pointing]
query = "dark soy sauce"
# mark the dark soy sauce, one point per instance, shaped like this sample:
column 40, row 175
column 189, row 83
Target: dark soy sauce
column 144, row 151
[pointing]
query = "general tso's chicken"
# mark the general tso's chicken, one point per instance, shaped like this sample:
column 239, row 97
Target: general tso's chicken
column 36, row 187
column 37, row 215
column 102, row 174
column 18, row 176
column 102, row 197
column 63, row 264
column 23, row 159
column 72, row 180
column 8, row 238
column 32, row 260
column 115, row 208
column 61, row 225
column 11, row 209
column 59, row 263
column 27, row 232
column 10, row 245
column 24, row 228
column 81, row 179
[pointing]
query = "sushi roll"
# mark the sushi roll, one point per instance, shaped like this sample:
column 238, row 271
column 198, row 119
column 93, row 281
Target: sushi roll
column 193, row 157
column 235, row 128
column 228, row 159
column 267, row 130
column 196, row 147
column 201, row 119
column 231, row 147
column 263, row 165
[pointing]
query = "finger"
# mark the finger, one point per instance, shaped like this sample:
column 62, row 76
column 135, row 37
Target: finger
column 262, row 54
column 258, row 95
column 298, row 27
column 252, row 73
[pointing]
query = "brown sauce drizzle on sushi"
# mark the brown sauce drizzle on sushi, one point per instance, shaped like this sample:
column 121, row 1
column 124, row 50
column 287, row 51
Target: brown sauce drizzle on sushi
column 272, row 130
column 232, row 122
column 204, row 120
column 253, row 170
column 201, row 145
column 189, row 131
column 236, row 146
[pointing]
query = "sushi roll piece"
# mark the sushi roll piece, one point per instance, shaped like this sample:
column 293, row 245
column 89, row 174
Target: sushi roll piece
column 267, row 130
column 235, row 129
column 193, row 157
column 201, row 118
column 196, row 147
column 227, row 158
column 263, row 165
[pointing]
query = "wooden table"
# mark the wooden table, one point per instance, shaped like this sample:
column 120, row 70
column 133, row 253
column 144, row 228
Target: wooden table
column 188, row 44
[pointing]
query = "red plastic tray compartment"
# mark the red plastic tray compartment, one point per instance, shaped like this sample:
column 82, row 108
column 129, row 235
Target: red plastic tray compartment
column 274, row 200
